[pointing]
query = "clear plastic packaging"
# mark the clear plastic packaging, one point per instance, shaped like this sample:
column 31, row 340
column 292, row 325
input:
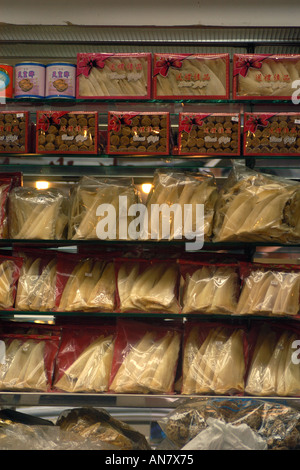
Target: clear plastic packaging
column 194, row 76
column 28, row 361
column 37, row 213
column 37, row 281
column 265, row 76
column 8, row 181
column 180, row 193
column 84, row 359
column 10, row 269
column 269, row 290
column 99, row 427
column 274, row 366
column 254, row 207
column 85, row 283
column 145, row 357
column 88, row 195
column 276, row 423
column 209, row 288
column 214, row 359
column 147, row 286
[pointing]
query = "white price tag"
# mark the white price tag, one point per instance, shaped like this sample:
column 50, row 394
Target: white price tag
column 235, row 119
column 2, row 352
column 297, row 121
column 19, row 115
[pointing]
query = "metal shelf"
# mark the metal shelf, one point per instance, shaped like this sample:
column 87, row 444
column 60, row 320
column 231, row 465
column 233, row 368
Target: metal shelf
column 48, row 42
column 12, row 399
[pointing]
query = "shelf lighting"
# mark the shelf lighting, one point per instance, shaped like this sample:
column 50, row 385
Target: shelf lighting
column 42, row 184
column 146, row 188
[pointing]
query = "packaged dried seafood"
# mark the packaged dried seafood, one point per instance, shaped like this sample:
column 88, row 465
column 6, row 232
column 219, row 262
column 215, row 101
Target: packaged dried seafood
column 84, row 359
column 209, row 134
column 14, row 132
column 37, row 213
column 265, row 76
column 276, row 423
column 142, row 133
column 8, row 181
column 190, row 76
column 147, row 286
column 67, row 132
column 117, row 75
column 10, row 269
column 209, row 288
column 269, row 290
column 274, row 365
column 145, row 357
column 85, row 283
column 86, row 221
column 173, row 206
column 37, row 281
column 29, row 362
column 214, row 359
column 269, row 133
column 99, row 427
column 253, row 207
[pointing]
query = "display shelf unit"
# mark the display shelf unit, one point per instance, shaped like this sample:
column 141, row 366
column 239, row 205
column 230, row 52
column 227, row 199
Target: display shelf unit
column 13, row 399
column 63, row 42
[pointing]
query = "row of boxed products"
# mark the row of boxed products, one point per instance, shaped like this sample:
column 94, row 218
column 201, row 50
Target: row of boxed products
column 152, row 357
column 158, row 76
column 144, row 133
column 250, row 207
column 49, row 281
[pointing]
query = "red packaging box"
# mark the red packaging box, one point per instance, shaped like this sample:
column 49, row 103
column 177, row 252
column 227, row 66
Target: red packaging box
column 265, row 76
column 191, row 76
column 138, row 133
column 209, row 134
column 66, row 132
column 14, row 132
column 113, row 76
column 272, row 134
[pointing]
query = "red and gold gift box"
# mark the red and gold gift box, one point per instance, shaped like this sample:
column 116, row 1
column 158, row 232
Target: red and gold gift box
column 272, row 134
column 67, row 132
column 265, row 76
column 209, row 134
column 113, row 76
column 191, row 76
column 14, row 132
column 138, row 133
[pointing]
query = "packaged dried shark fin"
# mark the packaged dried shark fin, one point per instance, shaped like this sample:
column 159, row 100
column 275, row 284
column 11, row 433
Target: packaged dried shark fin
column 216, row 363
column 257, row 207
column 270, row 290
column 125, row 380
column 145, row 359
column 209, row 288
column 102, row 296
column 10, row 268
column 173, row 206
column 90, row 372
column 263, row 351
column 33, row 213
column 88, row 196
column 147, row 286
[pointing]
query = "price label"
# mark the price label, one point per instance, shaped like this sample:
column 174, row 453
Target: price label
column 2, row 352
